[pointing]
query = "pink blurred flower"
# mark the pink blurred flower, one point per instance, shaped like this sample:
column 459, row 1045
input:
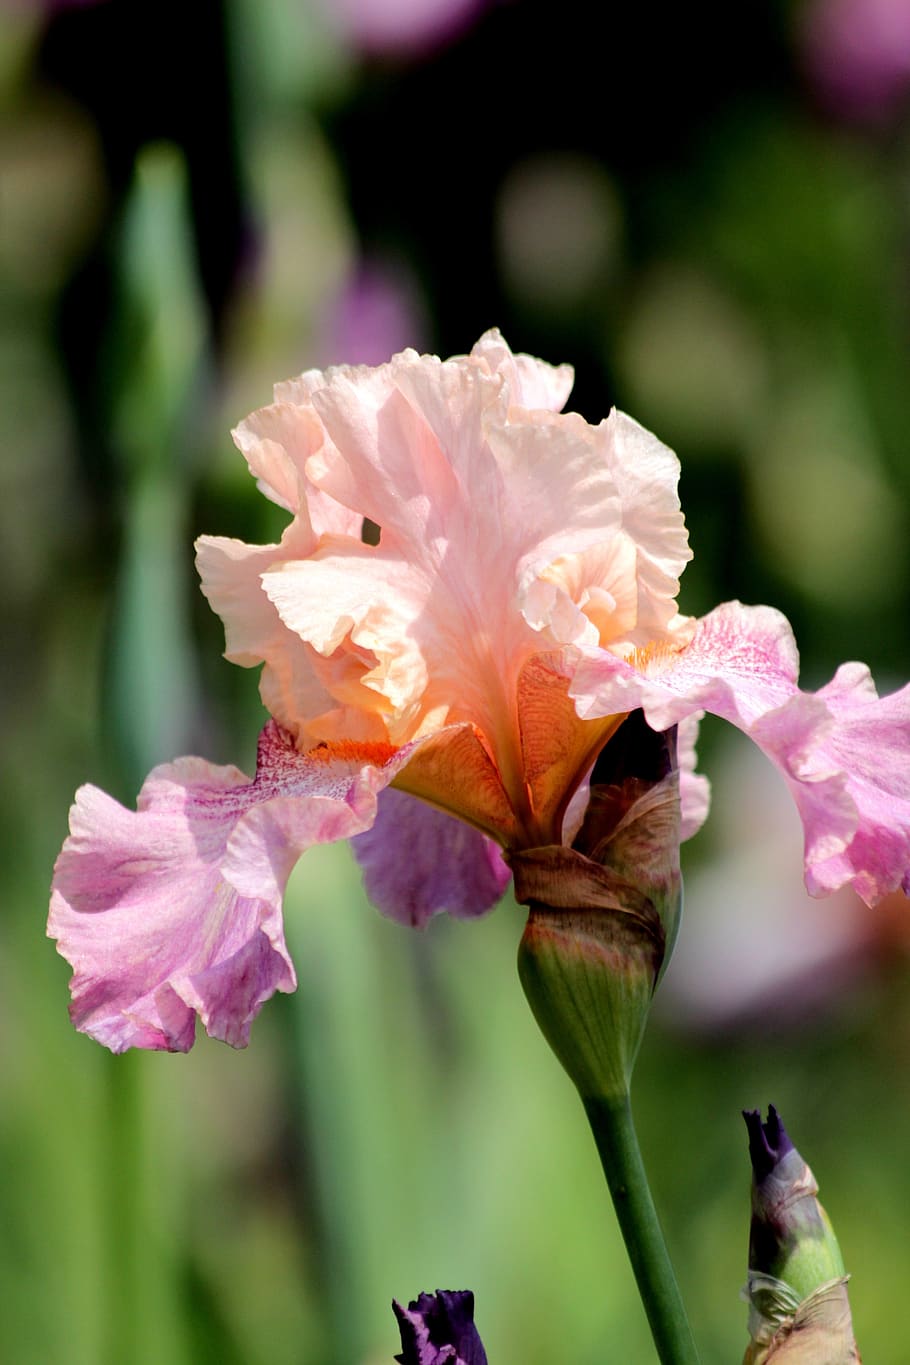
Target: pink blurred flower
column 520, row 603
column 857, row 55
column 757, row 949
column 402, row 27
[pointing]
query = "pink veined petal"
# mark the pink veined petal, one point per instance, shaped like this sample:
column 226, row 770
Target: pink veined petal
column 857, row 765
column 418, row 861
column 844, row 752
column 741, row 663
column 174, row 909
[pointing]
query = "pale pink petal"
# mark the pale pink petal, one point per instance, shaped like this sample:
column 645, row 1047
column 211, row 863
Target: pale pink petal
column 359, row 595
column 313, row 697
column 174, row 909
column 418, row 861
column 619, row 588
column 694, row 788
column 464, row 496
column 231, row 574
column 856, row 766
column 532, row 383
column 506, row 529
column 277, row 441
column 646, row 473
column 844, row 752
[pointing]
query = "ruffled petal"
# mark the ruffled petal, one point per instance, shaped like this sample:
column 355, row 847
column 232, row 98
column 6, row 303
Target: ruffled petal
column 851, row 781
column 276, row 442
column 174, row 909
column 418, row 861
column 461, row 481
column 694, row 788
column 531, row 383
column 742, row 662
column 304, row 691
column 351, row 594
column 844, row 752
column 507, row 529
column 619, row 588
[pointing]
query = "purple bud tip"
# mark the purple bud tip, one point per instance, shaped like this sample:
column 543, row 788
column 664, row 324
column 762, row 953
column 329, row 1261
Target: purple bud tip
column 768, row 1142
column 438, row 1329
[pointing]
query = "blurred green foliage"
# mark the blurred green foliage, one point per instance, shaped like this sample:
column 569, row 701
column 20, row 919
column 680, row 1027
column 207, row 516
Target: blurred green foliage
column 398, row 1124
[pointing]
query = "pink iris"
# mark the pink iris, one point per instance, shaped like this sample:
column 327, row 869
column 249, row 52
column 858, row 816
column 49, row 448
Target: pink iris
column 521, row 601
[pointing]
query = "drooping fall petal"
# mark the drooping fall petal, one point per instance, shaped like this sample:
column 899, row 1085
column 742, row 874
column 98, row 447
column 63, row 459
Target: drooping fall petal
column 844, row 752
column 861, row 757
column 418, row 861
column 174, row 909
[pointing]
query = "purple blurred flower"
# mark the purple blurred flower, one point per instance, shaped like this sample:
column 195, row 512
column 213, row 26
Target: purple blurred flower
column 374, row 314
column 438, row 1329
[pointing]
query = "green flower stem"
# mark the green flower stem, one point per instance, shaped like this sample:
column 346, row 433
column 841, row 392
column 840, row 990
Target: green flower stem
column 617, row 1144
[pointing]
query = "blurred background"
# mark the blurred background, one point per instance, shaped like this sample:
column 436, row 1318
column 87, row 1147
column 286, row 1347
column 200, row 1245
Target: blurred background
column 706, row 209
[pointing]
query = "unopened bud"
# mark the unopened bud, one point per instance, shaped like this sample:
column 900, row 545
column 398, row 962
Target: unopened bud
column 799, row 1312
column 438, row 1329
column 603, row 912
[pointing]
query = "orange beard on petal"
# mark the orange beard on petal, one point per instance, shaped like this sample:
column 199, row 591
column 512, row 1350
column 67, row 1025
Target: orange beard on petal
column 352, row 751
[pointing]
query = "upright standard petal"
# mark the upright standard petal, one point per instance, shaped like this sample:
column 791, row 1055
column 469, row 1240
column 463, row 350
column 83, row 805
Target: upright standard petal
column 844, row 752
column 174, row 909
column 507, row 529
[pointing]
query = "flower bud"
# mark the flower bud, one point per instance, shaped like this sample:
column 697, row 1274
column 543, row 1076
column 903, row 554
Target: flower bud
column 438, row 1329
column 603, row 912
column 799, row 1312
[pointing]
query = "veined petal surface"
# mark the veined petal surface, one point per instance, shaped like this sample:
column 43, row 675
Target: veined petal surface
column 174, row 909
column 844, row 751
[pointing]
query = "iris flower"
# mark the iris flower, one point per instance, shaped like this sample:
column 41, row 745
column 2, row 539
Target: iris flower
column 441, row 696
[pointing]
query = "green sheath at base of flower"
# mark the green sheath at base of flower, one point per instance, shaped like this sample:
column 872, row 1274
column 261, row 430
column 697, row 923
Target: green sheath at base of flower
column 589, row 977
column 799, row 1312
